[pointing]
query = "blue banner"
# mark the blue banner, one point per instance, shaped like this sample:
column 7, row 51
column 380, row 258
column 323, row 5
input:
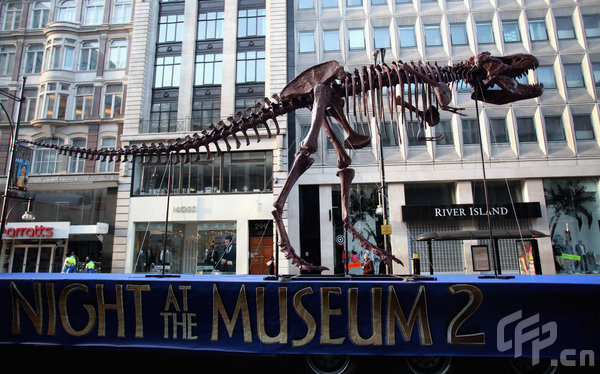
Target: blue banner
column 532, row 316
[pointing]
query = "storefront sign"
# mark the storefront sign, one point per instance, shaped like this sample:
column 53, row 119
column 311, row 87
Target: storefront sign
column 184, row 209
column 38, row 230
column 20, row 178
column 469, row 211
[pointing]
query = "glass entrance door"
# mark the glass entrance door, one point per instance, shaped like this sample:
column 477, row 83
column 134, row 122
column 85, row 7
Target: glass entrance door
column 40, row 258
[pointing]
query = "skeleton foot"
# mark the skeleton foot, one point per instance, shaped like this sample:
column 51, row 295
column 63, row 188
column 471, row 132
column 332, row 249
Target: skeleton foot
column 357, row 141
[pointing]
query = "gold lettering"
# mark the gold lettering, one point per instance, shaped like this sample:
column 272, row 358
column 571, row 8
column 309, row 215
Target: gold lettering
column 139, row 312
column 395, row 315
column 118, row 307
column 185, row 296
column 311, row 324
column 376, row 338
column 64, row 315
column 51, row 309
column 35, row 314
column 190, row 324
column 241, row 306
column 260, row 317
column 326, row 313
column 171, row 299
column 186, row 324
column 165, row 316
column 475, row 299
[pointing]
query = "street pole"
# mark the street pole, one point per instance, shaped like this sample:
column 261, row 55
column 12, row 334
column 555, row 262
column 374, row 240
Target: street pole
column 12, row 147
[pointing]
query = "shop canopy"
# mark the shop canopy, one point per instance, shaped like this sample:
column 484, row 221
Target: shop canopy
column 480, row 234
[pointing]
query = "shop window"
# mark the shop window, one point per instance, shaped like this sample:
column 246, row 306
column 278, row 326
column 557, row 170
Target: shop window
column 526, row 130
column 331, row 40
column 554, row 128
column 583, row 127
column 498, row 132
column 485, row 33
column 407, row 36
column 39, row 14
column 511, row 31
column 564, row 28
column 433, row 36
column 458, row 32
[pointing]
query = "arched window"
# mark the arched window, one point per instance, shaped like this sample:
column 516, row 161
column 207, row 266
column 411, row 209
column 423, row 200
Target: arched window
column 12, row 16
column 39, row 14
column 66, row 11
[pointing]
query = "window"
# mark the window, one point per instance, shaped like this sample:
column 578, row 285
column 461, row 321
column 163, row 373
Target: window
column 117, row 57
column 53, row 100
column 28, row 106
column 39, row 14
column 250, row 66
column 170, row 28
column 113, row 100
column 458, row 31
column 412, row 130
column 573, row 75
column 463, row 87
column 353, row 2
column 378, row 2
column 444, row 128
column 7, row 59
column 583, row 127
column 329, row 3
column 47, row 160
column 554, row 128
column 433, row 37
column 537, row 30
column 12, row 16
column 66, row 11
column 381, row 37
column 526, row 130
column 4, row 102
column 33, row 59
column 356, row 39
column 94, row 12
column 210, row 25
column 107, row 166
column 545, row 76
column 485, row 33
column 208, row 69
column 75, row 162
column 251, row 22
column 205, row 112
column 60, row 54
column 511, row 31
column 596, row 71
column 591, row 24
column 84, row 99
column 167, row 71
column 88, row 58
column 305, row 4
column 122, row 12
column 470, row 131
column 403, row 1
column 564, row 28
column 163, row 117
column 307, row 41
column 331, row 40
column 407, row 36
column 498, row 132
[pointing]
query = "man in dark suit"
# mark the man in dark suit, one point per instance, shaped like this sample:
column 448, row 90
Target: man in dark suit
column 228, row 259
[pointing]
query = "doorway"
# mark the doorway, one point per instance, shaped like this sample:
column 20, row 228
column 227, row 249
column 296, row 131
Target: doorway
column 261, row 246
column 35, row 258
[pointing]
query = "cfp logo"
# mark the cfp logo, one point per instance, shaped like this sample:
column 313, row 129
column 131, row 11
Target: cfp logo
column 540, row 336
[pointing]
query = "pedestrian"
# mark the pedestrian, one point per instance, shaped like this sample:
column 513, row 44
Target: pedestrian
column 90, row 266
column 70, row 263
column 227, row 263
column 368, row 265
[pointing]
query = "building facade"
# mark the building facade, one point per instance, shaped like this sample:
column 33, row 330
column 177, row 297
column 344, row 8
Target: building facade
column 74, row 55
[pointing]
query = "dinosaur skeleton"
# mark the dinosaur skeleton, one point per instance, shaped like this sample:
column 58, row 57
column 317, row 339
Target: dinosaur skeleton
column 332, row 93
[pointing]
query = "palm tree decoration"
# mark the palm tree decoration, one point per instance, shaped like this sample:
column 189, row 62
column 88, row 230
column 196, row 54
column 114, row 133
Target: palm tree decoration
column 569, row 200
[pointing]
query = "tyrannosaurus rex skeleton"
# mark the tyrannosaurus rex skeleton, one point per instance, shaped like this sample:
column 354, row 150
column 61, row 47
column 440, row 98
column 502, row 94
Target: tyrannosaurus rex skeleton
column 329, row 91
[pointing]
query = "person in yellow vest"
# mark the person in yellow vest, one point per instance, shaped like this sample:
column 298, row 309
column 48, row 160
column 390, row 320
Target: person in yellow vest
column 70, row 263
column 90, row 266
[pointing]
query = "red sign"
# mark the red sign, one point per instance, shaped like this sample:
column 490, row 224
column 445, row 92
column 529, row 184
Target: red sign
column 31, row 232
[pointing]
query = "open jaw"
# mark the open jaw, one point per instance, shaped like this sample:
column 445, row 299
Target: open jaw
column 499, row 85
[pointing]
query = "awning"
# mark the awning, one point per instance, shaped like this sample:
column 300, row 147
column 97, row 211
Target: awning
column 480, row 234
